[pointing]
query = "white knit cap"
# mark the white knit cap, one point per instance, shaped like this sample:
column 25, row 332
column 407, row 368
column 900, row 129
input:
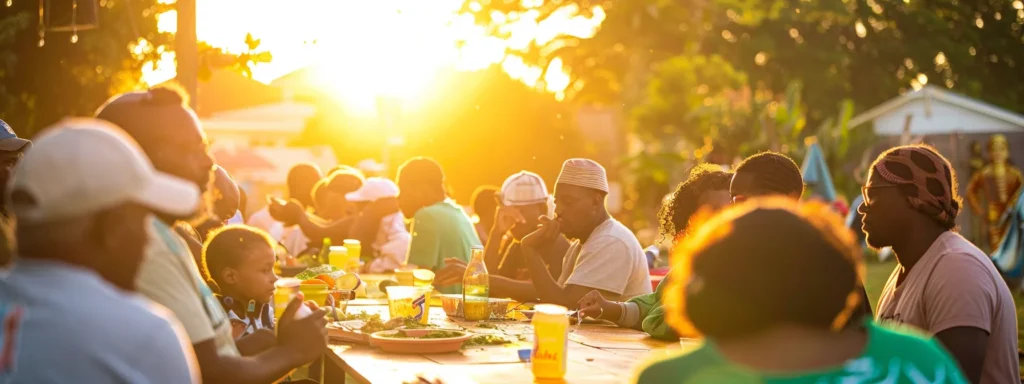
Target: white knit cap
column 523, row 188
column 584, row 173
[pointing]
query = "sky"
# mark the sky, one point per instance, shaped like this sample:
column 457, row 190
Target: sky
column 376, row 48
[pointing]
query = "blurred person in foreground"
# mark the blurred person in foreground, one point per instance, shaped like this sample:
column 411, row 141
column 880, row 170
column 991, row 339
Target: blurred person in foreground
column 440, row 228
column 771, row 321
column 523, row 201
column 604, row 255
column 706, row 188
column 484, row 203
column 168, row 131
column 12, row 148
column 83, row 198
column 772, row 173
column 943, row 284
column 300, row 181
column 381, row 226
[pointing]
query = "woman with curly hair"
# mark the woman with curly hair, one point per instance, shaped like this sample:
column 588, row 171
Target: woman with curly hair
column 783, row 319
column 706, row 187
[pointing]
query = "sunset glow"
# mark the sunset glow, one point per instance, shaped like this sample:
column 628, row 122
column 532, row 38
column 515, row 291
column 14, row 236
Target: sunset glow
column 363, row 50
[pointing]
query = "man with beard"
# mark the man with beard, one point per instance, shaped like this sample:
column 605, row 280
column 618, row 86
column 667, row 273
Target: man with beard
column 604, row 255
column 943, row 284
column 523, row 201
column 168, row 131
column 12, row 148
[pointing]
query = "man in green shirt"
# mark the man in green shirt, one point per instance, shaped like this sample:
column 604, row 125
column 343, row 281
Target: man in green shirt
column 440, row 228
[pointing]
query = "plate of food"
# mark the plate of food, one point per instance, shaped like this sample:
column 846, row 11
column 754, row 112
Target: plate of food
column 419, row 341
column 358, row 327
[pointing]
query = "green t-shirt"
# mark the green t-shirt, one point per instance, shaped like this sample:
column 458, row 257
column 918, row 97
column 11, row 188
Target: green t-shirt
column 890, row 357
column 438, row 232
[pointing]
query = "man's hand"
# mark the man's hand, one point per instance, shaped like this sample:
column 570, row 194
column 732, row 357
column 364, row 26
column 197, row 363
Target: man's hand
column 305, row 337
column 544, row 236
column 594, row 305
column 452, row 272
column 506, row 217
column 287, row 212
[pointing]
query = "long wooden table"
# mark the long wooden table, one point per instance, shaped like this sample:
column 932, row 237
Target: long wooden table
column 597, row 353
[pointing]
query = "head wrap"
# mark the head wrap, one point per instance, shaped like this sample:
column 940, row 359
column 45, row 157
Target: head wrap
column 583, row 173
column 930, row 177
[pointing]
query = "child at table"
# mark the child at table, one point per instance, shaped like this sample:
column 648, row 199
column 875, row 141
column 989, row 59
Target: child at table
column 240, row 262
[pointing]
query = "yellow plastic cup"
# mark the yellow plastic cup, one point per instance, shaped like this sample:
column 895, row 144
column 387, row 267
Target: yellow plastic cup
column 338, row 257
column 410, row 302
column 354, row 251
column 284, row 290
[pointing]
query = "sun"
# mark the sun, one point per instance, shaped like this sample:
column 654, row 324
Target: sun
column 363, row 51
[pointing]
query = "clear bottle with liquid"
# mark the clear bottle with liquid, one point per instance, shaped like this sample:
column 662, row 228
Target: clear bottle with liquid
column 476, row 287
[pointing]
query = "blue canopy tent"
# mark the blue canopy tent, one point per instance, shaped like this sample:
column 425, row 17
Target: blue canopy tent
column 816, row 174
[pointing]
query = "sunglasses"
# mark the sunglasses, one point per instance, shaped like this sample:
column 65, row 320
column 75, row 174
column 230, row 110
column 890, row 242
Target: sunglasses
column 864, row 191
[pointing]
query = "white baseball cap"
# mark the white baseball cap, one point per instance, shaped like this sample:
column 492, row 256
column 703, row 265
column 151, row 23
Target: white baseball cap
column 81, row 166
column 374, row 188
column 523, row 188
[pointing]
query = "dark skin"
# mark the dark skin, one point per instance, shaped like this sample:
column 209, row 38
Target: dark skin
column 179, row 147
column 251, row 280
column 507, row 219
column 578, row 212
column 291, row 213
column 111, row 242
column 596, row 306
column 890, row 221
column 7, row 162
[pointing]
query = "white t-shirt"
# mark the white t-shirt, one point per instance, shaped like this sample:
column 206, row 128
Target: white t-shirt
column 956, row 285
column 291, row 237
column 611, row 259
column 391, row 244
column 169, row 276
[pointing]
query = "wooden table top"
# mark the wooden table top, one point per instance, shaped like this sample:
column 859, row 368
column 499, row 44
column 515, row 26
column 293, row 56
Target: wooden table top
column 597, row 353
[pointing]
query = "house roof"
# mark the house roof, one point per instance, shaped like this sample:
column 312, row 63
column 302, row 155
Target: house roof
column 226, row 90
column 943, row 112
column 282, row 117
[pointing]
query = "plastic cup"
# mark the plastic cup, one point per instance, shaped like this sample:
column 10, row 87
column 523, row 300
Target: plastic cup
column 285, row 290
column 354, row 252
column 404, row 277
column 338, row 257
column 410, row 302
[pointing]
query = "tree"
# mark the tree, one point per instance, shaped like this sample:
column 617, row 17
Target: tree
column 865, row 50
column 480, row 126
column 40, row 85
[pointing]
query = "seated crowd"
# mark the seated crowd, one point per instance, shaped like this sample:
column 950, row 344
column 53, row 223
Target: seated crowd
column 123, row 241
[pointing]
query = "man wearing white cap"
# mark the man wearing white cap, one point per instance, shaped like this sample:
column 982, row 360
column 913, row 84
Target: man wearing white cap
column 382, row 222
column 604, row 255
column 523, row 199
column 12, row 148
column 83, row 199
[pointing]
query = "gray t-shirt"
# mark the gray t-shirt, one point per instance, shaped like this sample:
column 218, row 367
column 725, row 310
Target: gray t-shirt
column 65, row 324
column 611, row 259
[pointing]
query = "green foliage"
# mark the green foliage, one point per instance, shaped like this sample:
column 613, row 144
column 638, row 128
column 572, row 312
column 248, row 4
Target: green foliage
column 481, row 127
column 40, row 85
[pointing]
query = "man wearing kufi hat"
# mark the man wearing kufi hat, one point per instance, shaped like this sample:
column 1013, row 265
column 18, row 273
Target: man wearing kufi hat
column 604, row 255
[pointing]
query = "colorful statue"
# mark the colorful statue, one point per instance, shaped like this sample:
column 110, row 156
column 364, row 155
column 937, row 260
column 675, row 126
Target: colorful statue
column 996, row 186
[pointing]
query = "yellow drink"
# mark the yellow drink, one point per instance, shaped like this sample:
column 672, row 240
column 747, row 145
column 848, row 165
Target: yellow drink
column 339, row 257
column 550, row 341
column 410, row 302
column 476, row 289
column 284, row 290
column 475, row 305
column 354, row 251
